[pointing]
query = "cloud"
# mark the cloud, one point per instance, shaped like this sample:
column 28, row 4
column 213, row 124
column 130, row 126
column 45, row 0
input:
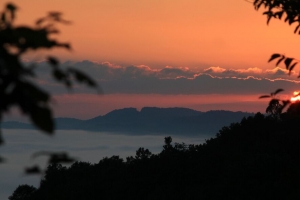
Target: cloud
column 277, row 72
column 172, row 72
column 214, row 70
column 142, row 79
column 201, row 84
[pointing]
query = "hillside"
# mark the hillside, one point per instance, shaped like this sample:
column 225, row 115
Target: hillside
column 257, row 158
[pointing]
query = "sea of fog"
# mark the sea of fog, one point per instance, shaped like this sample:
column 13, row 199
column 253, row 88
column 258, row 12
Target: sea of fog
column 85, row 146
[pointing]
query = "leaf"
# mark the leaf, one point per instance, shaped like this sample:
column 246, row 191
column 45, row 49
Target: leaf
column 53, row 61
column 3, row 17
column 42, row 118
column 54, row 31
column 11, row 7
column 287, row 62
column 269, row 14
column 291, row 20
column 34, row 92
column 269, row 18
column 33, row 170
column 274, row 56
column 279, row 14
column 59, row 75
column 279, row 61
column 277, row 91
column 65, row 45
column 292, row 67
column 264, row 96
column 83, row 78
column 296, row 29
column 55, row 15
column 39, row 21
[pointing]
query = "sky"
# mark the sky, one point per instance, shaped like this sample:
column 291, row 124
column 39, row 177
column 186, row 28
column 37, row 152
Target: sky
column 199, row 54
column 205, row 55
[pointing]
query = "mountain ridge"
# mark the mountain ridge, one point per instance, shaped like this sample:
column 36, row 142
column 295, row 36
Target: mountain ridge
column 151, row 120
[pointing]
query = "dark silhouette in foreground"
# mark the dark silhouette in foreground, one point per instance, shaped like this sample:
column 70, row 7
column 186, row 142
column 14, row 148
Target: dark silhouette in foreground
column 258, row 158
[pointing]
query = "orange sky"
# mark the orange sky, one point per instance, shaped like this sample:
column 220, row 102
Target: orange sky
column 192, row 33
column 197, row 34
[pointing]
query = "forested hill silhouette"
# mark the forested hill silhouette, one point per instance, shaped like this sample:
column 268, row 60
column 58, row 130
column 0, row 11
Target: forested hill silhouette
column 258, row 158
column 148, row 120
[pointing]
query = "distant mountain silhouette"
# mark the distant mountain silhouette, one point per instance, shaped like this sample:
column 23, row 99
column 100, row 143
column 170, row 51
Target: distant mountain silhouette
column 149, row 120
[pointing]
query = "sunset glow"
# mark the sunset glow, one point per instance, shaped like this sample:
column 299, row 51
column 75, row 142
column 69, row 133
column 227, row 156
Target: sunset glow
column 194, row 33
column 140, row 49
column 296, row 96
column 211, row 84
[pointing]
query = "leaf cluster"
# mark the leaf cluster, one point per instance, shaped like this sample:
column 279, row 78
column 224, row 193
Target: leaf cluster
column 290, row 9
column 290, row 63
column 276, row 106
column 16, row 85
column 281, row 9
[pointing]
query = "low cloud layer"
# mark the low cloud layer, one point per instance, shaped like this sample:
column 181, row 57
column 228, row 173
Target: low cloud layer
column 141, row 79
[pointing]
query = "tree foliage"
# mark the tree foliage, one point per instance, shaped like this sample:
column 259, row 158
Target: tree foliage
column 257, row 158
column 276, row 106
column 17, row 80
column 289, row 11
column 16, row 87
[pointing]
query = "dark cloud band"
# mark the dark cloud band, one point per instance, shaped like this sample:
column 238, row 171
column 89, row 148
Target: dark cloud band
column 141, row 79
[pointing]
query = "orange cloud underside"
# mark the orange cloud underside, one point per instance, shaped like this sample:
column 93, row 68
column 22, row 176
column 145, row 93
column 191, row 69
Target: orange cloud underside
column 295, row 96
